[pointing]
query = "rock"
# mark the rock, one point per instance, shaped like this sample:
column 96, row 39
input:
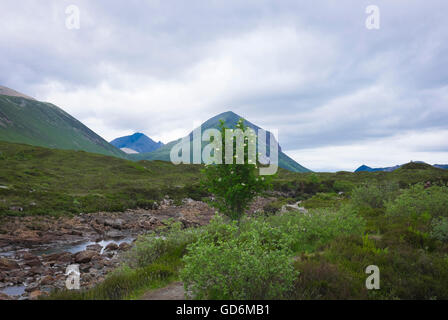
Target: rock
column 4, row 296
column 48, row 280
column 153, row 220
column 7, row 264
column 63, row 257
column 31, row 260
column 37, row 270
column 85, row 267
column 111, row 247
column 33, row 263
column 95, row 247
column 36, row 294
column 16, row 208
column 85, row 256
column 28, row 256
column 32, row 287
column 114, row 223
column 113, row 234
column 124, row 246
column 2, row 276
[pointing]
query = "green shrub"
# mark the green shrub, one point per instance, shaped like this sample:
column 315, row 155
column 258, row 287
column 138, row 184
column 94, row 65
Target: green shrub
column 323, row 280
column 318, row 227
column 322, row 200
column 373, row 195
column 420, row 202
column 343, row 185
column 250, row 262
column 150, row 247
column 439, row 229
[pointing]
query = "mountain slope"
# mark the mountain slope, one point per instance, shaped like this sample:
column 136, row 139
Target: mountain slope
column 13, row 93
column 230, row 119
column 43, row 124
column 138, row 142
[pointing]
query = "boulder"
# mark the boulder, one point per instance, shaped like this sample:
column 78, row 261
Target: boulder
column 4, row 296
column 114, row 223
column 48, row 280
column 85, row 256
column 7, row 264
column 111, row 247
column 113, row 234
column 62, row 257
column 95, row 247
column 125, row 246
column 36, row 294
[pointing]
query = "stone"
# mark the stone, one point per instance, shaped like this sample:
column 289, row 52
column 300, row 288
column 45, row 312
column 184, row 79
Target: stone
column 16, row 208
column 33, row 263
column 113, row 234
column 36, row 294
column 32, row 287
column 4, row 296
column 111, row 247
column 48, row 280
column 125, row 246
column 7, row 264
column 114, row 223
column 63, row 257
column 85, row 256
column 95, row 247
column 84, row 267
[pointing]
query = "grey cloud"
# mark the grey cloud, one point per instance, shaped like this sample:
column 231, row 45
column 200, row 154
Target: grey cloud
column 310, row 69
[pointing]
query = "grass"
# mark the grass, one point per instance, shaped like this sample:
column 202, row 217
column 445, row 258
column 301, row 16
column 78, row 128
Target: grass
column 55, row 182
column 355, row 220
column 45, row 181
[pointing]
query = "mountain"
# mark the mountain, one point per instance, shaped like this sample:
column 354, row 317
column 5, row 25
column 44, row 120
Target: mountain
column 25, row 120
column 230, row 118
column 9, row 92
column 369, row 169
column 136, row 143
column 410, row 165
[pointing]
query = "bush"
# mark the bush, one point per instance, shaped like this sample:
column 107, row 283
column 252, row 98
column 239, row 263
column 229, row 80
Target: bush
column 309, row 231
column 323, row 280
column 343, row 185
column 322, row 200
column 373, row 195
column 439, row 229
column 150, row 247
column 227, row 262
column 417, row 202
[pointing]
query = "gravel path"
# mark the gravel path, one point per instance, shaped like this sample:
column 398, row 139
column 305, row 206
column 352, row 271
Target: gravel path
column 173, row 291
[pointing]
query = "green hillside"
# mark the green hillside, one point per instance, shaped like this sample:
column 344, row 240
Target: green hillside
column 230, row 119
column 51, row 181
column 44, row 124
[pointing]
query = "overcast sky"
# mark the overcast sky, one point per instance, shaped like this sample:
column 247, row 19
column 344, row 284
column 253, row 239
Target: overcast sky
column 340, row 95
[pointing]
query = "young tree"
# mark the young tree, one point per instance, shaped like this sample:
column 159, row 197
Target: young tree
column 234, row 185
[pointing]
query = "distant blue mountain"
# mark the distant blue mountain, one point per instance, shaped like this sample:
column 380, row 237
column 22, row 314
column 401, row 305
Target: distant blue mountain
column 369, row 169
column 138, row 142
column 389, row 169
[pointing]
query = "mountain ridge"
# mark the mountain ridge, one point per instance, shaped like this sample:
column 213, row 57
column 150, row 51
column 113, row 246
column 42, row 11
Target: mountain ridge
column 365, row 168
column 29, row 121
column 230, row 118
column 138, row 142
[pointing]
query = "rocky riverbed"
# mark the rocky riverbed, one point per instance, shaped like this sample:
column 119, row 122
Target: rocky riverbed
column 36, row 250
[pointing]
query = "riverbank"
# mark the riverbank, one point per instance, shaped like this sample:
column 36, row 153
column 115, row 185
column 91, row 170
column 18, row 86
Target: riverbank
column 36, row 250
